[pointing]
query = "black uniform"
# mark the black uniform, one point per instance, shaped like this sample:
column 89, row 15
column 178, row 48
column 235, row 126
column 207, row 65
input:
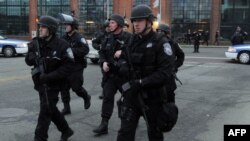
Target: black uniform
column 80, row 48
column 58, row 61
column 153, row 63
column 238, row 38
column 178, row 61
column 111, row 81
column 197, row 38
column 100, row 37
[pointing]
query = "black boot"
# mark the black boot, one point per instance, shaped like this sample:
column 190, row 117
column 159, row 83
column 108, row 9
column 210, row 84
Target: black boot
column 66, row 110
column 87, row 101
column 65, row 135
column 102, row 128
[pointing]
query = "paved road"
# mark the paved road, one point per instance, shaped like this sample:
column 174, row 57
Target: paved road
column 215, row 92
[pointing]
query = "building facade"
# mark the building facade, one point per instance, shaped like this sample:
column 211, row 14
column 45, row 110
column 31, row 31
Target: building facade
column 18, row 17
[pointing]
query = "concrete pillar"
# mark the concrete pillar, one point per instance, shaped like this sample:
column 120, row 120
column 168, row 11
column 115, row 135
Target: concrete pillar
column 215, row 19
column 74, row 8
column 32, row 17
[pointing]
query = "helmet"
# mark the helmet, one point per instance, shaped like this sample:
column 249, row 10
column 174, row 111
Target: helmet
column 118, row 18
column 68, row 20
column 75, row 23
column 141, row 12
column 163, row 27
column 49, row 22
column 167, row 117
column 106, row 24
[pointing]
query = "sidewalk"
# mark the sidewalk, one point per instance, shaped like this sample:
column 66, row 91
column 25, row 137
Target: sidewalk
column 203, row 46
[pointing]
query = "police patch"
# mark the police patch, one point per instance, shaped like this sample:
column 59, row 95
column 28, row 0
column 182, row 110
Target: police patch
column 83, row 41
column 70, row 53
column 167, row 49
column 149, row 45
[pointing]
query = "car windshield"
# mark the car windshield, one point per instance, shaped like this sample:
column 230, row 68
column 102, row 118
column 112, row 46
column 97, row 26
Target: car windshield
column 2, row 37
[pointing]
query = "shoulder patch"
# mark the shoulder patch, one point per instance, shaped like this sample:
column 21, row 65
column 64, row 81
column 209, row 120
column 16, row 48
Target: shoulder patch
column 83, row 40
column 167, row 49
column 70, row 53
column 149, row 45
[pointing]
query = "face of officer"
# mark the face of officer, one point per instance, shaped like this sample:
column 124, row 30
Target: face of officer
column 43, row 31
column 113, row 25
column 139, row 25
column 68, row 28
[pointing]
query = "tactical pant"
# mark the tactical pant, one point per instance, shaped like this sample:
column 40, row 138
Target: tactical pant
column 75, row 81
column 49, row 112
column 110, row 88
column 65, row 94
column 196, row 47
column 130, row 118
column 170, row 88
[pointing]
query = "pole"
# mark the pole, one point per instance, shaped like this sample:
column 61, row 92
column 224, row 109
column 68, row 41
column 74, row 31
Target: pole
column 107, row 9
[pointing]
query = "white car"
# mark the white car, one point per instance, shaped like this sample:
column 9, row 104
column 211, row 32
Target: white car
column 93, row 54
column 11, row 47
column 240, row 53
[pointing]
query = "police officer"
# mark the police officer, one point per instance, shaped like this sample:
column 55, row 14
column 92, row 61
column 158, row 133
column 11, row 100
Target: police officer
column 80, row 49
column 238, row 37
column 197, row 38
column 99, row 41
column 109, row 60
column 151, row 59
column 57, row 59
column 179, row 59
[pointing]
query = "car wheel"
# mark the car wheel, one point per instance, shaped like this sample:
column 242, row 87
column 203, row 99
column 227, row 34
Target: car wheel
column 9, row 51
column 95, row 61
column 244, row 58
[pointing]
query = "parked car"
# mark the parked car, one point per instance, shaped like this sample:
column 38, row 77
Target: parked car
column 240, row 53
column 93, row 54
column 12, row 47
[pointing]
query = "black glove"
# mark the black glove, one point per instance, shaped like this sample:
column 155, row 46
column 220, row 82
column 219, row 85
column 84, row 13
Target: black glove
column 32, row 57
column 135, row 85
column 44, row 78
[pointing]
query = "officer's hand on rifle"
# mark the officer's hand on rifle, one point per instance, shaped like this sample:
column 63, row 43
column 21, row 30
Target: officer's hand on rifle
column 118, row 53
column 136, row 84
column 105, row 67
column 133, row 85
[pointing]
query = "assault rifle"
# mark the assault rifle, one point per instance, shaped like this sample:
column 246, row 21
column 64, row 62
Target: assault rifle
column 40, row 66
column 133, row 75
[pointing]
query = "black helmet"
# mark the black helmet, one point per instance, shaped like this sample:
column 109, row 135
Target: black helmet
column 167, row 118
column 49, row 22
column 75, row 24
column 164, row 27
column 118, row 18
column 142, row 12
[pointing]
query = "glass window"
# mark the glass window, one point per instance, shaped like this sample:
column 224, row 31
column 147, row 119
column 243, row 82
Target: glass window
column 14, row 17
column 93, row 14
column 190, row 14
column 234, row 13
